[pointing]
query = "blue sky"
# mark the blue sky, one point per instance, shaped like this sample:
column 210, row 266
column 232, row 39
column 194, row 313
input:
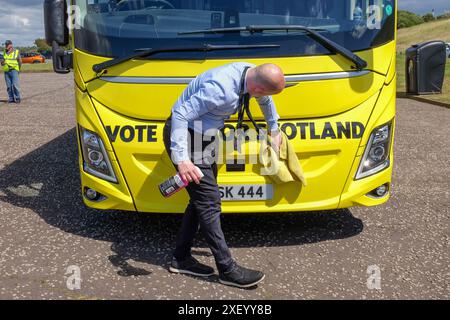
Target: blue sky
column 22, row 20
column 424, row 6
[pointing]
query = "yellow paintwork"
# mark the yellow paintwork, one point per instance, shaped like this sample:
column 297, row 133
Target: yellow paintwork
column 153, row 102
column 118, row 194
column 329, row 164
column 354, row 192
column 376, row 58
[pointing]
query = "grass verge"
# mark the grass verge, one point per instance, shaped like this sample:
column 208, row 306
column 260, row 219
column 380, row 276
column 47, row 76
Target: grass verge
column 36, row 67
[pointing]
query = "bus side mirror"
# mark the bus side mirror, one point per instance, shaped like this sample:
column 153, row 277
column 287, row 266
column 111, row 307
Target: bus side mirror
column 62, row 59
column 57, row 34
column 55, row 19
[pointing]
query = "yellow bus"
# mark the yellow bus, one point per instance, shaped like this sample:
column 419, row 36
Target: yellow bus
column 132, row 59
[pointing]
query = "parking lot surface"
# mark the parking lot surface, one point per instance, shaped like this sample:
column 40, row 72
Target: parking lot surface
column 47, row 235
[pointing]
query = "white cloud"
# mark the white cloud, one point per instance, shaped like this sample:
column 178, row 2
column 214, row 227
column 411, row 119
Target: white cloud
column 421, row 6
column 21, row 23
column 18, row 21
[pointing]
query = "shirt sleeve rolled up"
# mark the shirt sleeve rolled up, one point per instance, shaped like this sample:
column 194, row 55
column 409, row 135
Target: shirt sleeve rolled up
column 270, row 112
column 209, row 96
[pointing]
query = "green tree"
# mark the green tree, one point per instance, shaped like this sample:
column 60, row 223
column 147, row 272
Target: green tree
column 444, row 16
column 428, row 17
column 408, row 19
column 41, row 45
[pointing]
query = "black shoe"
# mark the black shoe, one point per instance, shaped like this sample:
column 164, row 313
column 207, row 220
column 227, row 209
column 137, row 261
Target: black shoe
column 191, row 266
column 241, row 277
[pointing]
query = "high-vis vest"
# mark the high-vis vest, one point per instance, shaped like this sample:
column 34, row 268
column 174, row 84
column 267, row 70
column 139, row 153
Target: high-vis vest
column 11, row 60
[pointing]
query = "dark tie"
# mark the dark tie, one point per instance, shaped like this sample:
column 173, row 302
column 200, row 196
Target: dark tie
column 243, row 105
column 246, row 100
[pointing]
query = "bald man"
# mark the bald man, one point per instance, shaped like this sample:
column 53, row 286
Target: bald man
column 200, row 112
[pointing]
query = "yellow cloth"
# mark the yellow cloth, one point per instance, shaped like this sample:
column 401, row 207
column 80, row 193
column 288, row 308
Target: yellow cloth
column 286, row 167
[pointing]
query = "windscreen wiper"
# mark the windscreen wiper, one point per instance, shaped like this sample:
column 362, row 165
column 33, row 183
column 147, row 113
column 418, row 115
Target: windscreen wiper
column 146, row 52
column 312, row 32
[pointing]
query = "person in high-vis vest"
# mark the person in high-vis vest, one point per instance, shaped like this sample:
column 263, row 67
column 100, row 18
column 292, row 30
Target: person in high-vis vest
column 11, row 65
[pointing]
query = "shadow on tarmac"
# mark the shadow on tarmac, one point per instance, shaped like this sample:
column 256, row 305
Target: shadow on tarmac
column 47, row 181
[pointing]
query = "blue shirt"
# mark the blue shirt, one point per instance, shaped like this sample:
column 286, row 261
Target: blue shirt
column 211, row 98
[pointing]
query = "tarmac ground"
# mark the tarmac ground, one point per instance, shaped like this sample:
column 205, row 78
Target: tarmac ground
column 47, row 235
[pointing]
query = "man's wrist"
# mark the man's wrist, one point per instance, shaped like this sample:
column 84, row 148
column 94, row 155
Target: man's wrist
column 274, row 130
column 272, row 126
column 178, row 158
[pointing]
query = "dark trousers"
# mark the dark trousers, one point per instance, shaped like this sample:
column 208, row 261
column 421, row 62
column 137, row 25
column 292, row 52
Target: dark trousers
column 203, row 210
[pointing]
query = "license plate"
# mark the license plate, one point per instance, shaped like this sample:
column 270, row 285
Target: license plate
column 246, row 192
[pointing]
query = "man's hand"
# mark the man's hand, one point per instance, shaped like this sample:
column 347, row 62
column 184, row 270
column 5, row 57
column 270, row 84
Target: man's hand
column 276, row 138
column 189, row 172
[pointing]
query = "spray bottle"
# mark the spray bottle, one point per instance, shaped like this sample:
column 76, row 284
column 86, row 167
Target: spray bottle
column 175, row 184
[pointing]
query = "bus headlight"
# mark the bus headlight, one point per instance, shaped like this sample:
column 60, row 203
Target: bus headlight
column 376, row 155
column 95, row 157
